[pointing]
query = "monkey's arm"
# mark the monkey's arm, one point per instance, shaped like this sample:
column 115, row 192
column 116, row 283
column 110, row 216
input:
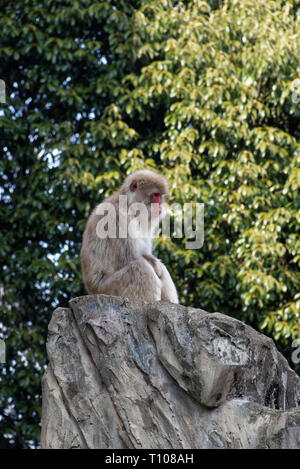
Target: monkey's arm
column 156, row 263
column 168, row 292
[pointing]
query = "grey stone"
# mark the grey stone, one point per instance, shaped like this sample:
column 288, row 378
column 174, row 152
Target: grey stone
column 123, row 374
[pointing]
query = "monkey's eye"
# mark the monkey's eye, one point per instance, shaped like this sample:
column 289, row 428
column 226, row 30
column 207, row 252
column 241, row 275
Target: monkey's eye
column 133, row 186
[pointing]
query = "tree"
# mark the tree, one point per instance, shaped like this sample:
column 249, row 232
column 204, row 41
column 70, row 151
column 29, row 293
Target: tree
column 208, row 93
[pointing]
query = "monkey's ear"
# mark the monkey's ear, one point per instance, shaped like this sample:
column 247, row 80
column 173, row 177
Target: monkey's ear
column 133, row 186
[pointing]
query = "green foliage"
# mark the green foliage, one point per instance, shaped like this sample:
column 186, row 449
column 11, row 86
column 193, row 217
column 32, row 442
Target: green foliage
column 202, row 91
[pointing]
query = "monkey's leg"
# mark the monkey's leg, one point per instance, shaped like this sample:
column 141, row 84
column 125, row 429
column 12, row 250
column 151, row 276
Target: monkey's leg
column 168, row 291
column 137, row 280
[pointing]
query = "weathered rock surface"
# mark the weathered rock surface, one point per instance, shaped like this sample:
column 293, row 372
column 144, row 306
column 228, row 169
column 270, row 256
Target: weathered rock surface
column 129, row 375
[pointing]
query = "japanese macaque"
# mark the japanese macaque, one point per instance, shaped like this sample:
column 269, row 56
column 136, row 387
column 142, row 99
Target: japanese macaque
column 116, row 254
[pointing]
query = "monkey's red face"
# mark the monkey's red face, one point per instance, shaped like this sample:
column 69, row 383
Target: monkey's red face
column 155, row 198
column 151, row 193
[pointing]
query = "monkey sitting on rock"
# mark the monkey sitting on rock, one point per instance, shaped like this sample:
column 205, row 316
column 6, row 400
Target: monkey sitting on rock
column 118, row 261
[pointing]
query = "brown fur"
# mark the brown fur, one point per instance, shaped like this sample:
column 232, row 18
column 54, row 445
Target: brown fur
column 126, row 266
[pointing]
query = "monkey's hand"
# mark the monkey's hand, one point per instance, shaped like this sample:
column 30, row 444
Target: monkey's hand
column 156, row 264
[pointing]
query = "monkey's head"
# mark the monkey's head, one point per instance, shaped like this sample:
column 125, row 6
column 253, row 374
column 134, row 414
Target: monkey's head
column 146, row 187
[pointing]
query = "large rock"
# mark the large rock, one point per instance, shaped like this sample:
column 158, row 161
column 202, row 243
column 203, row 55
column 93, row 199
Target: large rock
column 129, row 375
